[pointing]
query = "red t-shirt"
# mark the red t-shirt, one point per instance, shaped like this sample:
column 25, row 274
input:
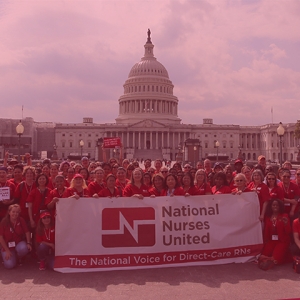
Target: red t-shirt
column 122, row 185
column 11, row 233
column 193, row 190
column 22, row 192
column 292, row 192
column 154, row 191
column 225, row 189
column 47, row 236
column 38, row 200
column 177, row 192
column 204, row 189
column 296, row 226
column 246, row 190
column 71, row 191
column 262, row 191
column 107, row 193
column 276, row 193
column 131, row 190
column 95, row 188
column 53, row 194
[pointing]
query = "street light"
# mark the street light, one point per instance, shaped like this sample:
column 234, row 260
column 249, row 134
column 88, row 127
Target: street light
column 280, row 132
column 195, row 149
column 240, row 155
column 298, row 155
column 81, row 144
column 217, row 145
column 20, row 131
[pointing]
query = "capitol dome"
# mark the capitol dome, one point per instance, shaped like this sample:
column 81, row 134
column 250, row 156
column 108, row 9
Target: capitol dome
column 148, row 92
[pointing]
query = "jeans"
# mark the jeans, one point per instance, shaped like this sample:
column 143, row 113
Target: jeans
column 45, row 252
column 18, row 252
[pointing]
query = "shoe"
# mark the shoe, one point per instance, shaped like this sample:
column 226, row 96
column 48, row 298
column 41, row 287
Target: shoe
column 266, row 265
column 42, row 265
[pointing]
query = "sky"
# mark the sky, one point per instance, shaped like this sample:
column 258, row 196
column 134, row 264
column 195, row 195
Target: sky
column 234, row 61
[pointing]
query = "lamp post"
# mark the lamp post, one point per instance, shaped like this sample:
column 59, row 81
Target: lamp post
column 298, row 155
column 240, row 156
column 217, row 145
column 20, row 131
column 280, row 132
column 195, row 149
column 81, row 144
column 54, row 155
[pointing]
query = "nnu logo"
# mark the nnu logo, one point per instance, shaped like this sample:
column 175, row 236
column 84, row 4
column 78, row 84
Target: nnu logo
column 128, row 227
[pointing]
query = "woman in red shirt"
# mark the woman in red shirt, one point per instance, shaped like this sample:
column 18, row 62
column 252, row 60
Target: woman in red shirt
column 111, row 190
column 261, row 189
column 158, row 185
column 277, row 233
column 77, row 189
column 45, row 238
column 136, row 187
column 13, row 237
column 121, row 181
column 37, row 199
column 172, row 187
column 187, row 183
column 275, row 191
column 221, row 186
column 240, row 182
column 98, row 184
column 201, row 182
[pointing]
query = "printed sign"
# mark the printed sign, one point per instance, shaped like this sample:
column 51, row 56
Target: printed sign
column 4, row 193
column 111, row 142
column 128, row 233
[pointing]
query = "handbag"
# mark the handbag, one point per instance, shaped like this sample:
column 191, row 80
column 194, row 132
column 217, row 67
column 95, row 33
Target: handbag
column 296, row 264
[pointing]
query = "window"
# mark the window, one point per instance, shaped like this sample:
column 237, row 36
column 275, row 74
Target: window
column 90, row 135
column 79, row 134
column 71, row 144
column 206, row 145
column 63, row 144
column 206, row 135
column 63, row 134
column 89, row 144
column 71, row 134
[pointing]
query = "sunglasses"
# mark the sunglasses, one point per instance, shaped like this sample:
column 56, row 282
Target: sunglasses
column 286, row 176
column 164, row 171
column 187, row 167
column 239, row 180
column 270, row 178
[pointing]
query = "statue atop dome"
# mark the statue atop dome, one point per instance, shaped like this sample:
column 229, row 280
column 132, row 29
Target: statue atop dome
column 149, row 38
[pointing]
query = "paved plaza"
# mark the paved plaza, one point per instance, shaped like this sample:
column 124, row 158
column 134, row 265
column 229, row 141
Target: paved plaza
column 231, row 281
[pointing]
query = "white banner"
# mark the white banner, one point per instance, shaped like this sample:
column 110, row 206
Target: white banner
column 128, row 233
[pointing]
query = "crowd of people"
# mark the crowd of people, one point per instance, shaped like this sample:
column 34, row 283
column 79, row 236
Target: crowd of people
column 27, row 213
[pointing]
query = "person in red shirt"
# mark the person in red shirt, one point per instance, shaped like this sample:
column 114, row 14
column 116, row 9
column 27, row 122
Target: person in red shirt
column 157, row 165
column 17, row 175
column 158, row 185
column 275, row 191
column 187, row 183
column 37, row 199
column 63, row 168
column 14, row 246
column 55, row 194
column 111, row 190
column 247, row 172
column 136, row 187
column 277, row 233
column 172, row 187
column 261, row 189
column 201, row 183
column 121, row 181
column 240, row 182
column 98, row 184
column 45, row 238
column 291, row 193
column 297, row 179
column 295, row 247
column 230, row 176
column 4, row 183
column 77, row 189
column 221, row 185
column 23, row 190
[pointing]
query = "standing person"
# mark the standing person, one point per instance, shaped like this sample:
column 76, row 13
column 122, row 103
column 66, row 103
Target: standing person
column 55, row 194
column 23, row 190
column 247, row 172
column 85, row 174
column 241, row 184
column 129, row 171
column 77, row 189
column 98, row 184
column 111, row 190
column 37, row 199
column 53, row 173
column 46, row 170
column 45, row 238
column 261, row 190
column 172, row 187
column 221, row 186
column 295, row 247
column 158, row 185
column 262, row 162
column 147, row 164
column 277, row 232
column 64, row 167
column 164, row 171
column 209, row 172
column 238, row 165
column 71, row 173
column 115, row 169
column 297, row 180
column 17, row 174
column 229, row 176
column 136, row 187
column 14, row 237
column 187, row 183
column 201, row 183
column 199, row 165
column 85, row 162
column 121, row 181
column 147, row 180
column 275, row 191
column 157, row 165
column 291, row 193
column 5, row 183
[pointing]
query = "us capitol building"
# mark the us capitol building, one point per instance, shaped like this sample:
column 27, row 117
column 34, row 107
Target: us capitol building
column 149, row 127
